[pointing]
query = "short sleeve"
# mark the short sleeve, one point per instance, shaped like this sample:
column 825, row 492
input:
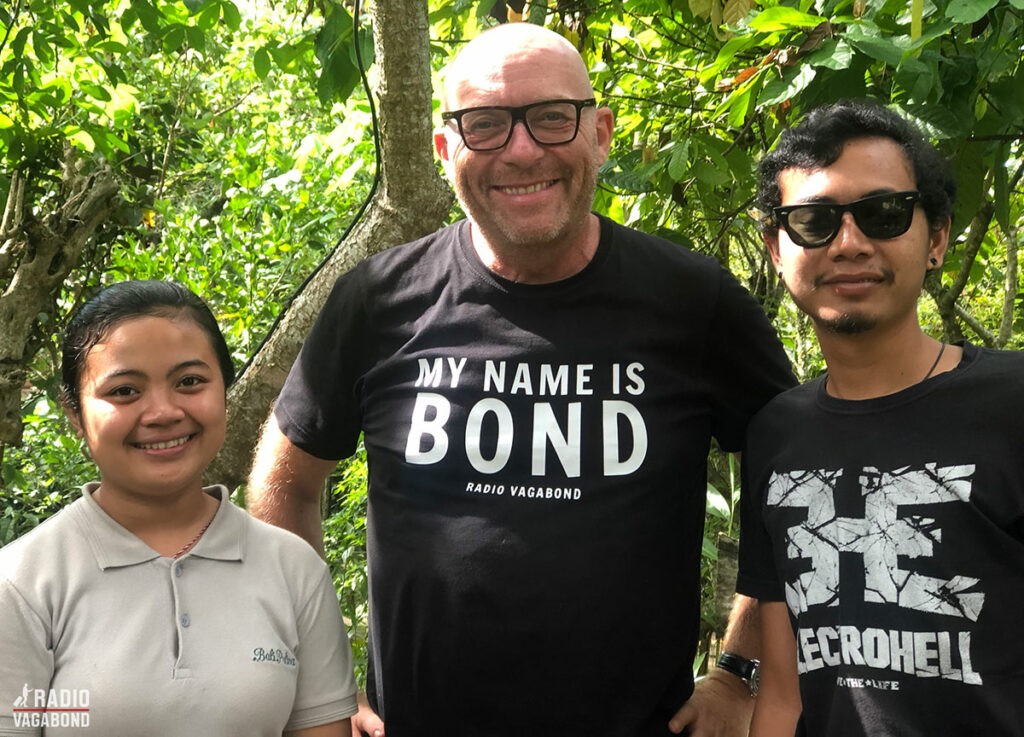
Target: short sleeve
column 326, row 688
column 318, row 409
column 26, row 659
column 746, row 366
column 758, row 576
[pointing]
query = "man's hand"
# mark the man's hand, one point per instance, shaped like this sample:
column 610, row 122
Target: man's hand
column 365, row 721
column 720, row 706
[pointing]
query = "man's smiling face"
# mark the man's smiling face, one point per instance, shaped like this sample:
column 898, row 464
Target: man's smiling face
column 525, row 195
column 857, row 283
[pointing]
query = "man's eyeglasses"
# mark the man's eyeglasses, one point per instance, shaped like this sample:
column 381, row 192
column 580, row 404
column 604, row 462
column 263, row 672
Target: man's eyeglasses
column 815, row 224
column 549, row 122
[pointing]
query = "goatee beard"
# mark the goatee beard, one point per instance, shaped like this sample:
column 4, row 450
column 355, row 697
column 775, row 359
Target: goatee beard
column 848, row 324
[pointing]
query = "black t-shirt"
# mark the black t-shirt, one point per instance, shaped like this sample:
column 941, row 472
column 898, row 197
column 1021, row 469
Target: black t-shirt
column 894, row 530
column 537, row 474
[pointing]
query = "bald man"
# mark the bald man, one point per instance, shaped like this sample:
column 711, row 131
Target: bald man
column 537, row 388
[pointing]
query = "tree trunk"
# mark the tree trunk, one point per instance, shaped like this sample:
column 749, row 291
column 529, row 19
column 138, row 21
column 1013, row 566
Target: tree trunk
column 412, row 200
column 35, row 258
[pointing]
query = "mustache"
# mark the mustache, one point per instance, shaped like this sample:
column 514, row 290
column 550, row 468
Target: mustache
column 887, row 277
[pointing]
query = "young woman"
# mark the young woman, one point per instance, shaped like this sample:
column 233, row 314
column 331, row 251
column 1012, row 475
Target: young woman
column 152, row 605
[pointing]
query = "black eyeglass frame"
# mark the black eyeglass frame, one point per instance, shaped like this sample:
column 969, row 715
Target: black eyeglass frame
column 781, row 216
column 518, row 113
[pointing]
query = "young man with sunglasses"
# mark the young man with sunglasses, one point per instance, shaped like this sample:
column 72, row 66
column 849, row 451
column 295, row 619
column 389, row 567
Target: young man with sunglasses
column 883, row 510
column 537, row 389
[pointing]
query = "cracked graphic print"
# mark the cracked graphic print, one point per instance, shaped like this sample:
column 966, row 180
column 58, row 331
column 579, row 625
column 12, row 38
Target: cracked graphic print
column 880, row 537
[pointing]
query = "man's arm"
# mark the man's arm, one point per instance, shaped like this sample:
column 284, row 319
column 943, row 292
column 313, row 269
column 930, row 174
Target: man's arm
column 285, row 485
column 721, row 703
column 778, row 701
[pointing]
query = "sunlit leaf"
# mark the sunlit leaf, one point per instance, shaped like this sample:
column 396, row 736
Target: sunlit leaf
column 782, row 18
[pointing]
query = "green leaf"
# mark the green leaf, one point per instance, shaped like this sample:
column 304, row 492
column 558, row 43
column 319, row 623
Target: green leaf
column 285, row 54
column 82, row 139
column 710, row 174
column 128, row 18
column 916, row 77
column 18, row 44
column 196, row 37
column 716, row 505
column 230, row 14
column 261, row 62
column 209, row 17
column 149, row 16
column 174, row 38
column 782, row 18
column 95, row 91
column 883, row 49
column 793, row 82
column 934, row 121
column 969, row 172
column 833, row 54
column 195, row 5
column 708, row 549
column 42, row 48
column 679, row 160
column 969, row 11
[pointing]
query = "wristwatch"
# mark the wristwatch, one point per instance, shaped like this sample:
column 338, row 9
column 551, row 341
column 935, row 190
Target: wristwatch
column 747, row 670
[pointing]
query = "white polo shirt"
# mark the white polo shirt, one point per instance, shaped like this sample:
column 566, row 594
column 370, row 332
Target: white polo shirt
column 240, row 637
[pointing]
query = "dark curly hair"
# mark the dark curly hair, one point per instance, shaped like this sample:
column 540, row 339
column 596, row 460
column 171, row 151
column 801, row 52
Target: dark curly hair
column 124, row 301
column 818, row 140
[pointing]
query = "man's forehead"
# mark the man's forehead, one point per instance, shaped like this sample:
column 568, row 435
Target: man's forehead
column 503, row 69
column 865, row 162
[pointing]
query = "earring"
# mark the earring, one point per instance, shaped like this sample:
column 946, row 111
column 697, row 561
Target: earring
column 934, row 261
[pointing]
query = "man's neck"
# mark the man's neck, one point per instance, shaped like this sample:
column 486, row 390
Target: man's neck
column 878, row 362
column 539, row 263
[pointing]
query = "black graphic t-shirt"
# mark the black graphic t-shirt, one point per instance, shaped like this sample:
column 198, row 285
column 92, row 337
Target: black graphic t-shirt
column 537, row 474
column 894, row 530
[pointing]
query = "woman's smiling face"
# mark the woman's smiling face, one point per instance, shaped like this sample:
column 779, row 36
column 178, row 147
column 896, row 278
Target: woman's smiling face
column 152, row 406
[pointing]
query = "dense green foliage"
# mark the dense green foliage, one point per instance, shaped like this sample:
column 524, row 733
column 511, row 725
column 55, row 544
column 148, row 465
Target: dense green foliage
column 239, row 137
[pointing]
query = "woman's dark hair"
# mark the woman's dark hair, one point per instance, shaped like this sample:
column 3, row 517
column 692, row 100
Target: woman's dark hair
column 818, row 140
column 125, row 301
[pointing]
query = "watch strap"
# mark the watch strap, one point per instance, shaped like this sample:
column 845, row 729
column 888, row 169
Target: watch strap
column 743, row 668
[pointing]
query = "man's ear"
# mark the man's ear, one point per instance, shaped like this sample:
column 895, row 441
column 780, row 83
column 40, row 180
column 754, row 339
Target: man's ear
column 441, row 144
column 771, row 242
column 938, row 244
column 605, row 128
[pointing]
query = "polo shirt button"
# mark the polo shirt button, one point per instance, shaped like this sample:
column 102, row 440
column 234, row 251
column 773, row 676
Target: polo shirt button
column 185, row 620
column 178, row 570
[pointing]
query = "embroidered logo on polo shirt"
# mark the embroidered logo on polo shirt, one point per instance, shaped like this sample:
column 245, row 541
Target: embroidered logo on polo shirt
column 273, row 655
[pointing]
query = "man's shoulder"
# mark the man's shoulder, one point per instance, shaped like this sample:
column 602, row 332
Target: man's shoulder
column 660, row 249
column 784, row 407
column 417, row 254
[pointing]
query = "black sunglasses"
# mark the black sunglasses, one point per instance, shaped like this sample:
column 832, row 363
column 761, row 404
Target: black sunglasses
column 815, row 224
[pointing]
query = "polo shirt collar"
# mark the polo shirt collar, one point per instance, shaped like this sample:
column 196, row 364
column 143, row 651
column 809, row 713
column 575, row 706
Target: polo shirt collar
column 224, row 539
column 116, row 547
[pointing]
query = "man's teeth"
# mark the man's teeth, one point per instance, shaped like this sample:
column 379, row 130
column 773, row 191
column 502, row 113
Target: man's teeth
column 164, row 445
column 526, row 190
